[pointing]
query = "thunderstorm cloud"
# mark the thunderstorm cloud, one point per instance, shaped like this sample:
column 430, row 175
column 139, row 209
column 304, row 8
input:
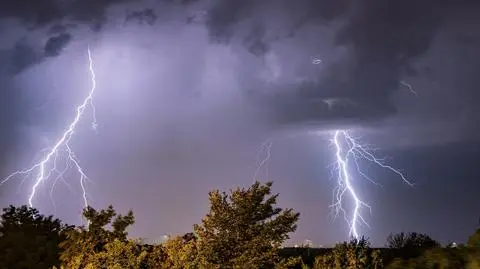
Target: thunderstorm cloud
column 55, row 44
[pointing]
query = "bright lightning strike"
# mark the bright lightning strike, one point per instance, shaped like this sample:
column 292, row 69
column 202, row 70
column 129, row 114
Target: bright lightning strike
column 348, row 151
column 48, row 167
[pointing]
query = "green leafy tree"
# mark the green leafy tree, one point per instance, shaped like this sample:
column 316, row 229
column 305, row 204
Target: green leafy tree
column 355, row 254
column 244, row 229
column 119, row 255
column 29, row 239
column 84, row 244
column 129, row 254
column 156, row 257
column 181, row 252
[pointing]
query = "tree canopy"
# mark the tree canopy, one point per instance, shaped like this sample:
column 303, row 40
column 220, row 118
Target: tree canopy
column 474, row 239
column 411, row 240
column 29, row 239
column 355, row 254
column 84, row 245
column 243, row 228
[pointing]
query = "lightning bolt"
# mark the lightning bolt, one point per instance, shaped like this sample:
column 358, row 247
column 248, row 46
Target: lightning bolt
column 348, row 151
column 48, row 166
column 266, row 147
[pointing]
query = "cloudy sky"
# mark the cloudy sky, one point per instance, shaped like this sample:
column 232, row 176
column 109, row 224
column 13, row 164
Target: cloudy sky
column 189, row 90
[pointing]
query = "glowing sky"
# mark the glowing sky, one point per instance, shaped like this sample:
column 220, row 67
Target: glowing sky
column 188, row 92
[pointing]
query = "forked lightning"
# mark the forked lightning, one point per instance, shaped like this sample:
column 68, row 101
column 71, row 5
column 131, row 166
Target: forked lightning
column 348, row 152
column 48, row 167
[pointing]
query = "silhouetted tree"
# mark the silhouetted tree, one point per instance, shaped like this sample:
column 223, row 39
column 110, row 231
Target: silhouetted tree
column 411, row 240
column 84, row 244
column 411, row 245
column 29, row 240
column 243, row 229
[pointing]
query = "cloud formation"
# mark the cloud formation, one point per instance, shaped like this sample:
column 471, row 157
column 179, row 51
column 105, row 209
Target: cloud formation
column 382, row 38
column 367, row 48
column 41, row 13
column 55, row 44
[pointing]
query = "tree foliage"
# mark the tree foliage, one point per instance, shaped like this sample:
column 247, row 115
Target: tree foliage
column 181, row 252
column 434, row 258
column 29, row 239
column 443, row 258
column 474, row 239
column 355, row 254
column 85, row 245
column 410, row 245
column 411, row 240
column 243, row 229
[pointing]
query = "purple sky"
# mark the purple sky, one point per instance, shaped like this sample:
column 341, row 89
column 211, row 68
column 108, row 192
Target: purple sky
column 187, row 92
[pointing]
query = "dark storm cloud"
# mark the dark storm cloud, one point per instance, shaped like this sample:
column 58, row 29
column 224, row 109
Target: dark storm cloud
column 383, row 38
column 224, row 16
column 23, row 54
column 9, row 115
column 20, row 57
column 36, row 13
column 61, row 28
column 61, row 19
column 41, row 13
column 55, row 44
column 12, row 62
column 143, row 16
column 386, row 36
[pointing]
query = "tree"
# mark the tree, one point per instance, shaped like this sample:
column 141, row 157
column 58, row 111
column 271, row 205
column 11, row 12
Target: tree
column 29, row 239
column 434, row 258
column 355, row 254
column 130, row 254
column 473, row 259
column 411, row 240
column 84, row 244
column 411, row 245
column 156, row 257
column 181, row 252
column 243, row 229
column 474, row 240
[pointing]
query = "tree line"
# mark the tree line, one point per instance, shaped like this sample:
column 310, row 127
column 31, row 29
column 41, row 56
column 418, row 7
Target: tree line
column 243, row 229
